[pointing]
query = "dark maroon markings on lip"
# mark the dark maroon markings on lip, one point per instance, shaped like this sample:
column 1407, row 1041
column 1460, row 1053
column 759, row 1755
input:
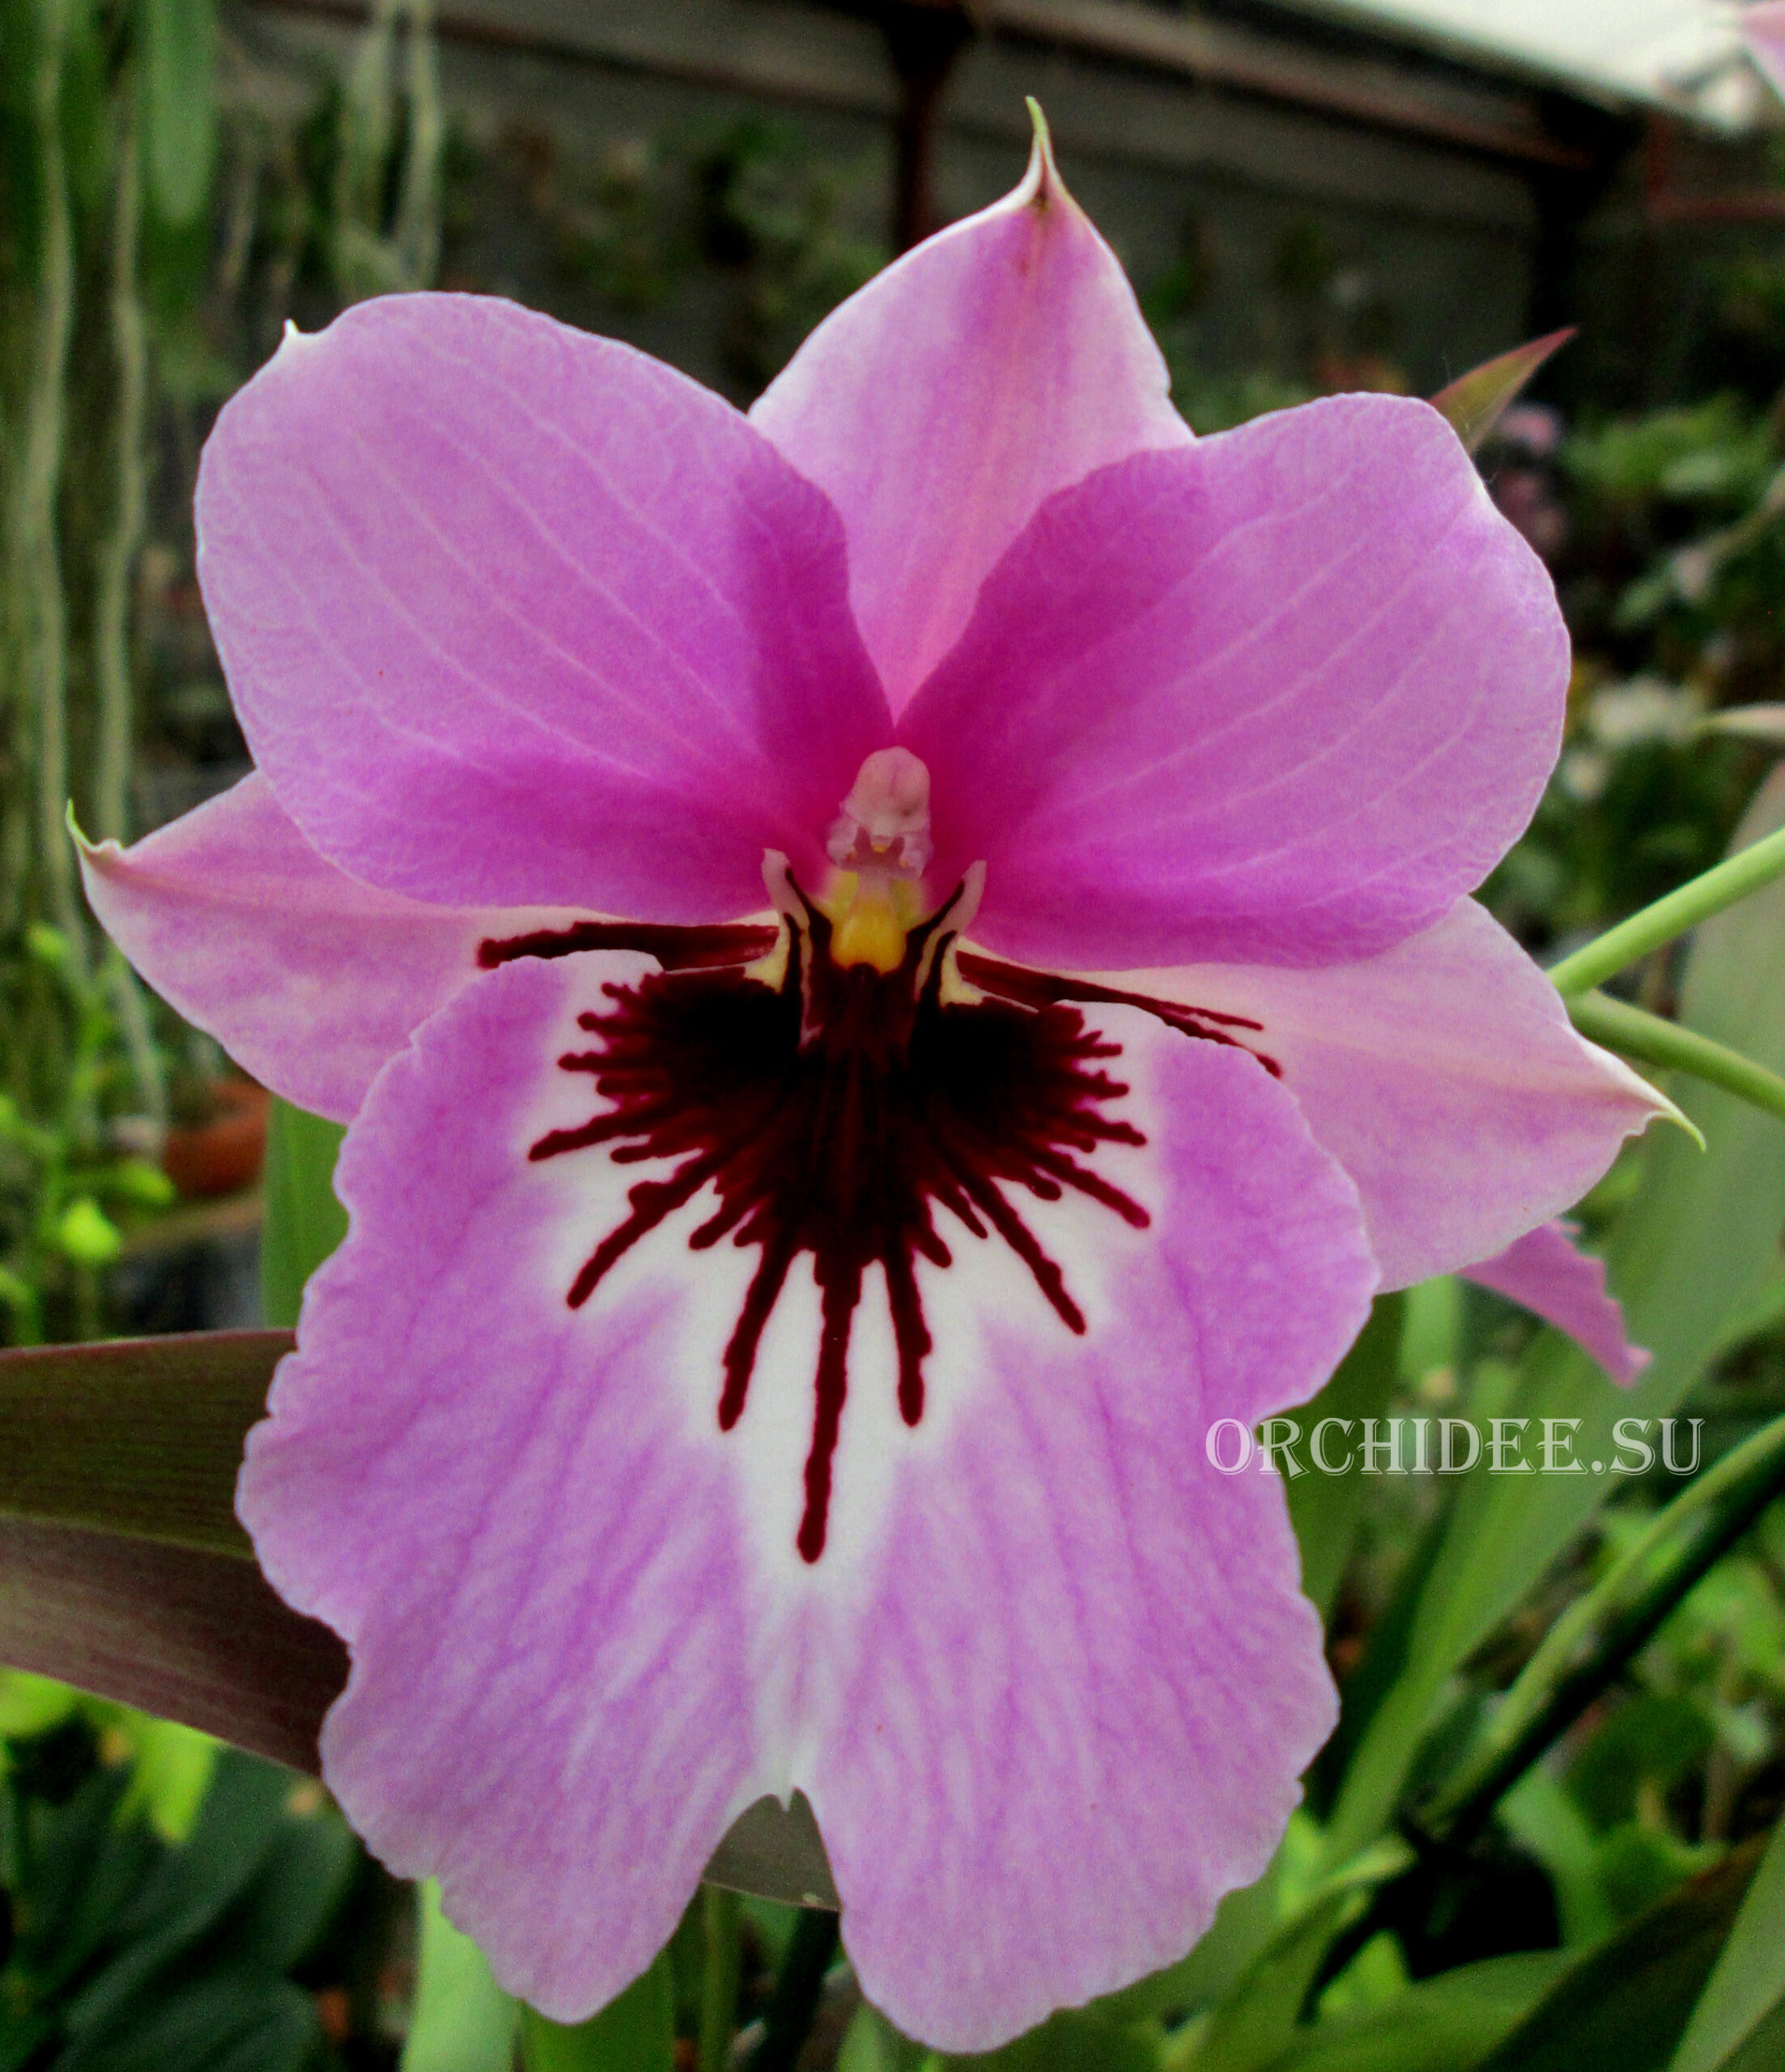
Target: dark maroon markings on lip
column 675, row 948
column 1016, row 981
column 834, row 1118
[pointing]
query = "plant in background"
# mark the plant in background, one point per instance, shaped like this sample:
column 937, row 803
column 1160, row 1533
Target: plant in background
column 68, row 1178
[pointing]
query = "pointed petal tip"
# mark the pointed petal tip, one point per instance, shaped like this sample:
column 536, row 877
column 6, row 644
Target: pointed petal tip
column 1041, row 187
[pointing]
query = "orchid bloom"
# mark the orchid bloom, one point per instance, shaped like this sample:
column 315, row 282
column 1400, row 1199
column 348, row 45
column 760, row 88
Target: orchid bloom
column 889, row 961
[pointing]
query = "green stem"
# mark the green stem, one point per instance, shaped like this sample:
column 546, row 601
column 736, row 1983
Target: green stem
column 795, row 2002
column 116, row 557
column 1635, row 1032
column 417, row 227
column 35, row 520
column 720, row 1913
column 1588, row 1645
column 1706, row 894
column 116, row 568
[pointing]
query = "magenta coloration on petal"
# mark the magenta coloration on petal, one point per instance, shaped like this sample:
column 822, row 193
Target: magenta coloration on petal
column 1001, row 360
column 1043, row 1629
column 1446, row 1079
column 1547, row 1273
column 537, row 1568
column 1087, row 1680
column 1276, row 697
column 515, row 616
column 306, row 978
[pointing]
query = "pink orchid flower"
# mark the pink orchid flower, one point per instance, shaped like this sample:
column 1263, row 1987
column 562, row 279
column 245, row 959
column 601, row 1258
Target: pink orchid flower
column 778, row 1333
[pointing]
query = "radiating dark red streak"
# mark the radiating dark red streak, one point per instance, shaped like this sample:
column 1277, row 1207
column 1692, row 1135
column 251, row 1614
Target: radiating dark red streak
column 842, row 1142
column 1016, row 982
column 675, row 948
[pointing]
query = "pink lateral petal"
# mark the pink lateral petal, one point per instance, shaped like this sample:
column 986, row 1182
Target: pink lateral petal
column 1000, row 361
column 1545, row 1272
column 515, row 616
column 309, row 980
column 1763, row 31
column 530, row 1550
column 1276, row 698
column 1444, row 1076
column 1049, row 1687
column 1085, row 1680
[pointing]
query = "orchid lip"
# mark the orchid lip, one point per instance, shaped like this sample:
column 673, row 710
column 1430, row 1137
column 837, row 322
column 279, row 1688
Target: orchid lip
column 833, row 1109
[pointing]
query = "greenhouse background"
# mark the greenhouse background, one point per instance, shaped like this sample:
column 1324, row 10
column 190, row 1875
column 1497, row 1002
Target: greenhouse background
column 1311, row 196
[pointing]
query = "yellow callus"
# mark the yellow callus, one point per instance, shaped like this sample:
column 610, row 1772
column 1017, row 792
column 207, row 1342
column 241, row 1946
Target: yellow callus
column 871, row 913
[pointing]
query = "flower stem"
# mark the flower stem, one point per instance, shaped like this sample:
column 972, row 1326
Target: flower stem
column 116, row 567
column 720, row 1914
column 1635, row 1032
column 1588, row 1645
column 795, row 1999
column 1696, row 901
column 39, row 598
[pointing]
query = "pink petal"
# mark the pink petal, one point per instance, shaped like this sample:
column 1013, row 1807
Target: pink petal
column 1543, row 1272
column 308, row 979
column 1444, row 1076
column 1763, row 31
column 531, row 1549
column 515, row 616
column 1276, row 697
column 1087, row 1679
column 1050, row 1684
column 1002, row 360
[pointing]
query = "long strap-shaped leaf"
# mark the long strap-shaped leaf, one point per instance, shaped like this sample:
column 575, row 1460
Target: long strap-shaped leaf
column 123, row 1569
column 140, row 1436
column 184, row 1633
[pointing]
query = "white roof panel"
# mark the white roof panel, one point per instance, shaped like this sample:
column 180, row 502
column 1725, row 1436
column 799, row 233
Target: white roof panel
column 1680, row 53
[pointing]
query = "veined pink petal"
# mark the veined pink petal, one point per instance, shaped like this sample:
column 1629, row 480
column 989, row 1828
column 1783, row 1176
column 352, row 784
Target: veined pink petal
column 1546, row 1273
column 513, row 616
column 1049, row 1684
column 1001, row 360
column 1763, row 31
column 308, row 978
column 1443, row 1075
column 503, row 1506
column 1276, row 698
column 1086, row 1677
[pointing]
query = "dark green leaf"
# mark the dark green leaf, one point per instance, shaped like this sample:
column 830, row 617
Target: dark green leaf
column 304, row 1222
column 1739, row 2022
column 140, row 1436
column 1447, row 2024
column 1625, row 2004
column 1074, row 2041
column 219, row 2021
column 1326, row 1509
column 190, row 1892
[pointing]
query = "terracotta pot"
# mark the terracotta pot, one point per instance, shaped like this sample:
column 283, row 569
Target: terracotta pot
column 224, row 1154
